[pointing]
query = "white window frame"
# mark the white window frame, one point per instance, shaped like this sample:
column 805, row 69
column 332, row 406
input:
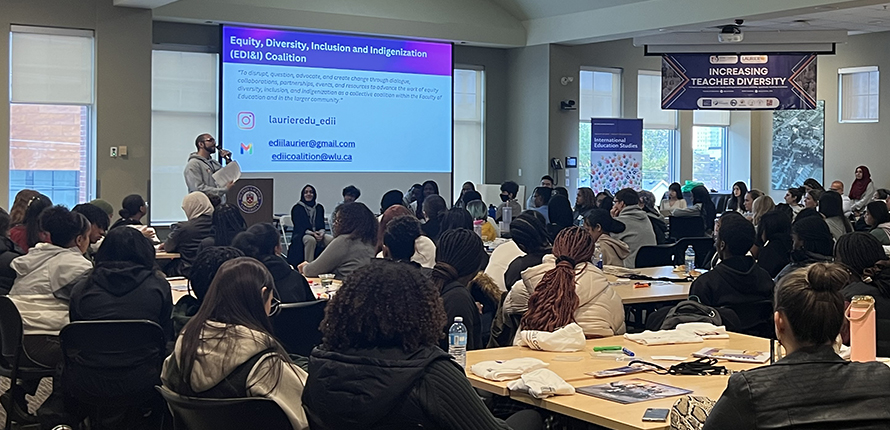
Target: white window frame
column 724, row 144
column 619, row 74
column 840, row 93
column 457, row 181
column 675, row 150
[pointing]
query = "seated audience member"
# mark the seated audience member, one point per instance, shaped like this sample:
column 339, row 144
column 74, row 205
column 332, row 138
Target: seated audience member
column 811, row 198
column 882, row 194
column 461, row 202
column 500, row 259
column 98, row 224
column 811, row 242
column 355, row 239
column 200, row 277
column 186, row 237
column 806, row 213
column 390, row 198
column 605, row 200
column 736, row 202
column 774, row 231
column 399, row 237
column 459, row 256
column 133, row 208
column 46, row 276
column 838, row 187
column 831, row 207
column 559, row 213
column 638, row 230
column 659, row 226
column 869, row 268
column 509, row 191
column 28, row 233
column 367, row 336
column 541, row 198
column 430, row 188
column 737, row 282
column 785, row 209
column 351, row 194
column 413, row 200
column 308, row 218
column 812, row 184
column 675, row 198
column 601, row 227
column 862, row 191
column 761, row 206
column 566, row 287
column 19, row 205
column 454, row 219
column 105, row 206
column 227, row 223
column 811, row 387
column 423, row 250
column 561, row 191
column 546, row 182
column 793, row 197
column 479, row 212
column 8, row 252
column 263, row 242
column 434, row 209
column 124, row 285
column 749, row 202
column 532, row 239
column 702, row 207
column 585, row 201
column 227, row 349
column 878, row 220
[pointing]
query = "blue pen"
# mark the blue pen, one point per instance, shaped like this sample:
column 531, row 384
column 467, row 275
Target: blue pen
column 627, row 351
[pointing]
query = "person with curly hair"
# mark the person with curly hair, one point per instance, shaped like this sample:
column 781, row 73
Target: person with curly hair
column 383, row 326
column 263, row 242
column 585, row 201
column 355, row 240
column 403, row 240
column 459, row 257
column 567, row 288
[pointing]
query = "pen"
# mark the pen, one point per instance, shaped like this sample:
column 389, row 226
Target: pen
column 627, row 351
column 606, row 348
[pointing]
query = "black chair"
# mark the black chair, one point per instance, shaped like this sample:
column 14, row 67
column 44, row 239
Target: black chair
column 14, row 361
column 755, row 319
column 703, row 246
column 110, row 369
column 655, row 256
column 297, row 326
column 192, row 413
column 683, row 227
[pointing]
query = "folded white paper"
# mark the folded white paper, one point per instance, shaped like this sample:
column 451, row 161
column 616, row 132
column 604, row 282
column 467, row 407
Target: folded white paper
column 506, row 370
column 663, row 337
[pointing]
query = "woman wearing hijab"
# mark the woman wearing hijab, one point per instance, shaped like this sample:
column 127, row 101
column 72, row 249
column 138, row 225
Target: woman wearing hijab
column 863, row 190
column 308, row 218
column 185, row 237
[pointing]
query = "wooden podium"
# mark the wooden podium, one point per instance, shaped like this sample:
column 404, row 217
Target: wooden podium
column 253, row 197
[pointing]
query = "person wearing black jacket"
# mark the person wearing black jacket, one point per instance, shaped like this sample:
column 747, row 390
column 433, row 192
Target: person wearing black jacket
column 863, row 256
column 309, row 229
column 811, row 387
column 459, row 255
column 531, row 237
column 263, row 242
column 390, row 346
column 133, row 209
column 203, row 271
column 186, row 237
column 8, row 251
column 737, row 283
column 811, row 242
column 774, row 231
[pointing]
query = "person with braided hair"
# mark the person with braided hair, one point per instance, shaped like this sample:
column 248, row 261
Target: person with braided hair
column 567, row 288
column 863, row 256
column 459, row 256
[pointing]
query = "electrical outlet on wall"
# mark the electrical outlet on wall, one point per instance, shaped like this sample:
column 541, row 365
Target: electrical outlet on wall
column 113, row 152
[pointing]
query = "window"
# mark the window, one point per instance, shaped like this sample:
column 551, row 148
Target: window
column 600, row 98
column 184, row 103
column 858, row 94
column 51, row 101
column 469, row 126
column 660, row 134
column 709, row 148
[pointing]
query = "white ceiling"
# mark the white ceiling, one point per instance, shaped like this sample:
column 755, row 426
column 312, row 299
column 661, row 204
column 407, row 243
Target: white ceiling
column 525, row 10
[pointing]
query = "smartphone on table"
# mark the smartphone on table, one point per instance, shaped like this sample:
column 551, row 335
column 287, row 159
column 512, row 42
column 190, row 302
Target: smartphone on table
column 656, row 415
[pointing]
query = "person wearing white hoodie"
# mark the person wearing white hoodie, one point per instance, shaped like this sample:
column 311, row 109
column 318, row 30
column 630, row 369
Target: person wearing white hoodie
column 46, row 275
column 227, row 350
column 574, row 291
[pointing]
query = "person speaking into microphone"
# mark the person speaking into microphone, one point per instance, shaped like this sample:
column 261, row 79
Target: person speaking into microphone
column 201, row 166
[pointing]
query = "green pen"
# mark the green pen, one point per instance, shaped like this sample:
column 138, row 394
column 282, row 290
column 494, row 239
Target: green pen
column 606, row 348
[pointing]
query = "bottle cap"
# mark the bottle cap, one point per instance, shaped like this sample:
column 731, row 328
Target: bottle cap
column 862, row 301
column 458, row 319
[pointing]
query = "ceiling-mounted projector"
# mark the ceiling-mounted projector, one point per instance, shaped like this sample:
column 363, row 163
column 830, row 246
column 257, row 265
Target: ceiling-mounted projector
column 731, row 33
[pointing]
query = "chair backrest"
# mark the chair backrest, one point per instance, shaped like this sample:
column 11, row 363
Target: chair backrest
column 192, row 413
column 686, row 226
column 297, row 326
column 755, row 319
column 655, row 256
column 112, row 363
column 703, row 246
column 10, row 332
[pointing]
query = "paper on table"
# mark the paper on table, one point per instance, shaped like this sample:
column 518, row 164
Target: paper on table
column 230, row 173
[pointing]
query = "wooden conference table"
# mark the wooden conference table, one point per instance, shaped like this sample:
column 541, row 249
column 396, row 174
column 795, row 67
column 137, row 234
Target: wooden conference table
column 162, row 255
column 658, row 291
column 603, row 412
column 179, row 287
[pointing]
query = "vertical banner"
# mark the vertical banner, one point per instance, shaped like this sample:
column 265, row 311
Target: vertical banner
column 616, row 154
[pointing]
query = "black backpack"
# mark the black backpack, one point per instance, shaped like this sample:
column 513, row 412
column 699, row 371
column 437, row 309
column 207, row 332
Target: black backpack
column 690, row 311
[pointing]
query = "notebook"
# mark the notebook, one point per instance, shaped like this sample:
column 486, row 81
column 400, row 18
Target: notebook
column 632, row 391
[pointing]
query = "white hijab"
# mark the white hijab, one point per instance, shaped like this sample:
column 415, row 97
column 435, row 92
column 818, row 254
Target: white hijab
column 196, row 204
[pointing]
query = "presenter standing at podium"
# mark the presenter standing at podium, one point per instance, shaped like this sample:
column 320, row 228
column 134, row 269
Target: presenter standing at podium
column 201, row 166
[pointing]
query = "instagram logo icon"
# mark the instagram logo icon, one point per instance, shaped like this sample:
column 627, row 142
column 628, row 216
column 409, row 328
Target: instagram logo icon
column 246, row 120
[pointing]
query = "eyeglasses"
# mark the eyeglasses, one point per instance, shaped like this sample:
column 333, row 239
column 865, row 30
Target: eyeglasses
column 209, row 140
column 276, row 304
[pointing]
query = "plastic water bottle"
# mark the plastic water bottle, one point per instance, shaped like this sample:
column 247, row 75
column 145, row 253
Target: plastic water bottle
column 477, row 227
column 598, row 256
column 457, row 341
column 690, row 259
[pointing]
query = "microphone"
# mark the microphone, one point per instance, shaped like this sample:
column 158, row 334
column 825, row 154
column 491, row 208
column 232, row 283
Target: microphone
column 228, row 157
